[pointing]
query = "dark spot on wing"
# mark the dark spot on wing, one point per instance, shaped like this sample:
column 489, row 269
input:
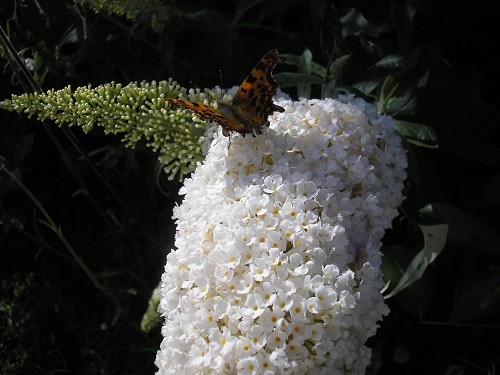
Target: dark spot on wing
column 278, row 108
column 251, row 78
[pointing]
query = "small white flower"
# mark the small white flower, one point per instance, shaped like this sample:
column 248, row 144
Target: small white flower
column 298, row 329
column 222, row 342
column 204, row 320
column 277, row 340
column 260, row 269
column 245, row 284
column 255, row 305
column 248, row 366
column 200, row 353
column 258, row 335
column 271, row 319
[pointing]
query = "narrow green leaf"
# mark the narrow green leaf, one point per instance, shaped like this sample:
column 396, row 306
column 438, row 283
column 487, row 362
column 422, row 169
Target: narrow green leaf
column 364, row 53
column 318, row 69
column 434, row 241
column 410, row 65
column 492, row 4
column 271, row 7
column 416, row 298
column 290, row 79
column 244, row 6
column 293, row 60
column 491, row 189
column 404, row 105
column 464, row 229
column 336, row 76
column 394, row 64
column 389, row 87
column 460, row 144
column 338, row 66
column 402, row 16
column 419, row 134
column 304, row 89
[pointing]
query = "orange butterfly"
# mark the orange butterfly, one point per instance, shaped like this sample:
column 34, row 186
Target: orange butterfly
column 252, row 103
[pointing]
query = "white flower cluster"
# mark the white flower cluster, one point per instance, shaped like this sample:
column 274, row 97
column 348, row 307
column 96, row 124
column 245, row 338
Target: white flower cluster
column 277, row 267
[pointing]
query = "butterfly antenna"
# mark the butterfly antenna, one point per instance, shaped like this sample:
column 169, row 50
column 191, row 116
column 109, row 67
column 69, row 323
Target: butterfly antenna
column 221, row 90
column 220, row 77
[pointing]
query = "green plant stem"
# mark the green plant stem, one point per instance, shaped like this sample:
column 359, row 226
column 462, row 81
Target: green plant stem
column 42, row 243
column 57, row 230
column 49, row 222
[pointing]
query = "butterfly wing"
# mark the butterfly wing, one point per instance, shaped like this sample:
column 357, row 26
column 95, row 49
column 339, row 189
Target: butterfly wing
column 210, row 114
column 252, row 103
column 254, row 97
column 202, row 110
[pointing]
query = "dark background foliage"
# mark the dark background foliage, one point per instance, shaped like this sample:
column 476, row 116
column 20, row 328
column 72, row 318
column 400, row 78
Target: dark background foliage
column 433, row 65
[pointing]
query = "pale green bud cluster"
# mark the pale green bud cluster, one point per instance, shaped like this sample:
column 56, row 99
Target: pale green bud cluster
column 135, row 111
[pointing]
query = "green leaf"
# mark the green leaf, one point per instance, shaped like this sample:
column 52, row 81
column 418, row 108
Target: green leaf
column 291, row 59
column 418, row 134
column 403, row 105
column 464, row 229
column 294, row 60
column 410, row 65
column 492, row 4
column 389, row 87
column 304, row 89
column 434, row 241
column 402, row 16
column 416, row 297
column 460, row 144
column 290, row 79
column 271, row 7
column 478, row 297
column 336, row 76
column 396, row 259
column 393, row 64
column 457, row 111
column 243, row 7
column 491, row 189
column 338, row 66
column 364, row 53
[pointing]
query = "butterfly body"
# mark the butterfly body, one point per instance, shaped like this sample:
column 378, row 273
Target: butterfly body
column 252, row 103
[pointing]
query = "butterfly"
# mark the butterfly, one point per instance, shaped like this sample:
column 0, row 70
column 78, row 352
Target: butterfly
column 252, row 104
